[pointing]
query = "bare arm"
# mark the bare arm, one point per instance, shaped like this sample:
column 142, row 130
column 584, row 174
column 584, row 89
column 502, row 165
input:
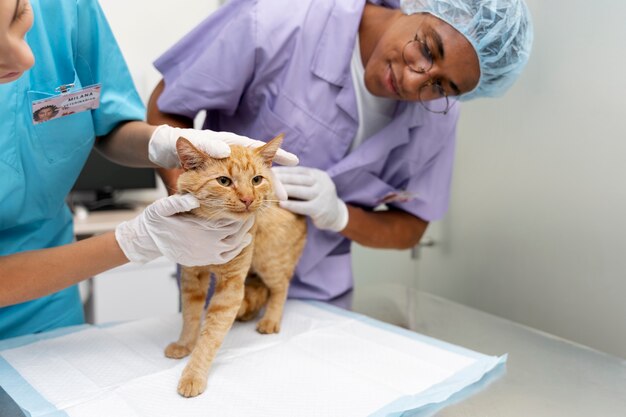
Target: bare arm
column 391, row 229
column 156, row 117
column 28, row 275
column 313, row 193
column 21, row 274
column 127, row 144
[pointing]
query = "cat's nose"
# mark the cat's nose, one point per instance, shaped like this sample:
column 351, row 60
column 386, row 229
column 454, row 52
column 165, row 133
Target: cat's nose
column 247, row 201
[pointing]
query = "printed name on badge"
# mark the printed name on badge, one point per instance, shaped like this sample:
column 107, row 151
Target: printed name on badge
column 87, row 98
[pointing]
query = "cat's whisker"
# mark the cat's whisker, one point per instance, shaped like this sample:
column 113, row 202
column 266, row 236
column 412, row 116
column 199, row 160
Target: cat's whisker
column 216, row 212
column 220, row 214
column 173, row 189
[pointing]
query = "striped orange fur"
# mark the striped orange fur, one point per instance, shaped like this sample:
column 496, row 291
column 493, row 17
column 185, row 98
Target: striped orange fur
column 256, row 278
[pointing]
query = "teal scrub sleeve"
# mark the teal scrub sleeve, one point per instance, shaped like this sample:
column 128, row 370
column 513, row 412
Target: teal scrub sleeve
column 100, row 60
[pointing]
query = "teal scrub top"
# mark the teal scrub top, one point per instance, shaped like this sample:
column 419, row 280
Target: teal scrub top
column 72, row 43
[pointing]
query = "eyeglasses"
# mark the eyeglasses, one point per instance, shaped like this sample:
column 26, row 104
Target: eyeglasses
column 417, row 56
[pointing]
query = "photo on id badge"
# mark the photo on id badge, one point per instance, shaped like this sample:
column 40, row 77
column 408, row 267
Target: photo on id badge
column 65, row 104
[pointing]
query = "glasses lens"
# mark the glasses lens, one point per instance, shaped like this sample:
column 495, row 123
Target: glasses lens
column 416, row 56
column 434, row 98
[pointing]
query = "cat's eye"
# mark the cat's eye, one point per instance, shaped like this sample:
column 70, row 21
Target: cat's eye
column 225, row 181
column 257, row 180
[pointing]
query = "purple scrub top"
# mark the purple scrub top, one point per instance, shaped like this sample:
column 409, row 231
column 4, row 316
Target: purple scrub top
column 260, row 68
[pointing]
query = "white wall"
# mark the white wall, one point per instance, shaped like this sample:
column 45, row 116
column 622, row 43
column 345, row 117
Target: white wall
column 147, row 28
column 536, row 230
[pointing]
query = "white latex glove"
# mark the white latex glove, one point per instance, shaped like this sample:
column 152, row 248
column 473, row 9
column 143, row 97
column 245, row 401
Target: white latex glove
column 184, row 239
column 317, row 194
column 162, row 148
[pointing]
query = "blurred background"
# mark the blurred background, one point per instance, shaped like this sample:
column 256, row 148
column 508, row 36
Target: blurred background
column 535, row 231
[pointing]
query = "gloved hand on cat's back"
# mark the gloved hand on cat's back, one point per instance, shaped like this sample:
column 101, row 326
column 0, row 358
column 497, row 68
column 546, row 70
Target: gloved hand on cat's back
column 186, row 240
column 316, row 196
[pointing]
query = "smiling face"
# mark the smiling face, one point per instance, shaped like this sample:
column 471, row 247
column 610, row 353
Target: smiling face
column 455, row 63
column 16, row 18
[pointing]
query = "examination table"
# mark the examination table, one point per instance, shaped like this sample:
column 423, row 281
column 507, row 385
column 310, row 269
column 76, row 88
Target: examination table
column 543, row 375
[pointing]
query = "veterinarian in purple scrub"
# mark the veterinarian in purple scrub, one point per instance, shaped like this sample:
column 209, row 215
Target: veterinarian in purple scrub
column 366, row 95
column 49, row 50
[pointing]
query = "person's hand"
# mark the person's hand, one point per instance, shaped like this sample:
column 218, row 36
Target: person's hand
column 162, row 146
column 317, row 196
column 184, row 239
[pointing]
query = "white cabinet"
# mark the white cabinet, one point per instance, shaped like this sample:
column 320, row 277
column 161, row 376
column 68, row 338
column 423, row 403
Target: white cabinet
column 130, row 291
column 133, row 291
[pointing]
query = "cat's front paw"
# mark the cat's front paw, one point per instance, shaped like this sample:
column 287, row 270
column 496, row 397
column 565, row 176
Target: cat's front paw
column 268, row 326
column 191, row 385
column 177, row 351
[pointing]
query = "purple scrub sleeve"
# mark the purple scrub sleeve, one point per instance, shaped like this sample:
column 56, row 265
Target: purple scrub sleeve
column 260, row 68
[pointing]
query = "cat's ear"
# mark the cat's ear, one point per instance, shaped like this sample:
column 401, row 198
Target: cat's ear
column 268, row 151
column 190, row 156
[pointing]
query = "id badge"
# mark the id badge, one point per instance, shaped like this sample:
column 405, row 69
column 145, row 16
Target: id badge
column 66, row 103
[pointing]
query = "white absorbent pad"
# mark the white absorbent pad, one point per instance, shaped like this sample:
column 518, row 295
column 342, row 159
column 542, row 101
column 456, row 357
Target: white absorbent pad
column 325, row 362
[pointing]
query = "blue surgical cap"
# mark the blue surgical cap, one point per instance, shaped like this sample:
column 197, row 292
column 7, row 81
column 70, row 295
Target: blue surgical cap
column 500, row 31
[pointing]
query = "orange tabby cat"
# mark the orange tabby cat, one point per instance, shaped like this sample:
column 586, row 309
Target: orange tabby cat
column 234, row 188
